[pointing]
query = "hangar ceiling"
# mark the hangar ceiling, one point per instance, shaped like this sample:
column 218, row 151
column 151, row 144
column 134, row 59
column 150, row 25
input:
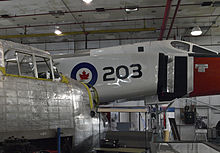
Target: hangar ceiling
column 34, row 21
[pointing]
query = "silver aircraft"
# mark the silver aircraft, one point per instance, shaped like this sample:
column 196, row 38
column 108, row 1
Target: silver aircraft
column 35, row 100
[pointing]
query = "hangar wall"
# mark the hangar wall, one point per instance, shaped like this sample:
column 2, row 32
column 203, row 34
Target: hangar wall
column 211, row 42
column 186, row 131
column 204, row 109
column 70, row 47
column 56, row 48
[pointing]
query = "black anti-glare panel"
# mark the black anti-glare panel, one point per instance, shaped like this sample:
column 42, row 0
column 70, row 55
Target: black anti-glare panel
column 162, row 80
column 180, row 78
column 180, row 81
column 162, row 73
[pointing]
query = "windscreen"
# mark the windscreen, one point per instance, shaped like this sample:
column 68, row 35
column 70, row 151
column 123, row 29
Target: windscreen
column 43, row 67
column 180, row 45
column 200, row 50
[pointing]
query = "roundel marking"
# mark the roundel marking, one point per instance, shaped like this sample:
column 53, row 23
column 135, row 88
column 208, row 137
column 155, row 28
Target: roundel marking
column 86, row 69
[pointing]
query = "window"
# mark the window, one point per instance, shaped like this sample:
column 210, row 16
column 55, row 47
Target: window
column 11, row 66
column 140, row 49
column 19, row 64
column 180, row 45
column 43, row 67
column 11, row 63
column 25, row 65
column 197, row 49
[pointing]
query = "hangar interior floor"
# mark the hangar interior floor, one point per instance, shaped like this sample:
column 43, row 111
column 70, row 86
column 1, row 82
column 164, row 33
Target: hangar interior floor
column 184, row 147
column 167, row 147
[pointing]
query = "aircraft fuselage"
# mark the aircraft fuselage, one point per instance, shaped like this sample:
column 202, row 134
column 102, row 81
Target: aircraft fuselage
column 137, row 70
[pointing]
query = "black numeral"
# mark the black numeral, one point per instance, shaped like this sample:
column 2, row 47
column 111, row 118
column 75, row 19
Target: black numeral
column 106, row 76
column 118, row 72
column 136, row 72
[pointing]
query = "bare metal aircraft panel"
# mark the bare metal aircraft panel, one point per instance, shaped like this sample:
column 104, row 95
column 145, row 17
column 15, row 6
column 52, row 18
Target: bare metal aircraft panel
column 34, row 102
column 32, row 105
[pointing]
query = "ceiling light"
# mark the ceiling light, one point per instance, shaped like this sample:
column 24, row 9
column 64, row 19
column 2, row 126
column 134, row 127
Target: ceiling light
column 57, row 31
column 196, row 31
column 131, row 9
column 206, row 3
column 87, row 1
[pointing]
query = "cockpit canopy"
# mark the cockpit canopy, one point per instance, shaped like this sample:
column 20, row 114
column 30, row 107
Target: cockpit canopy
column 191, row 48
column 25, row 60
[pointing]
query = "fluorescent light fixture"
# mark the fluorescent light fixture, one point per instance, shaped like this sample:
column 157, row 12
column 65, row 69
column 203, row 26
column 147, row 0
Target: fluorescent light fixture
column 196, row 31
column 57, row 31
column 131, row 9
column 87, row 1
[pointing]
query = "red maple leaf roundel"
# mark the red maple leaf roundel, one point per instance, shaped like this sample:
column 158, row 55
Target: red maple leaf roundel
column 84, row 76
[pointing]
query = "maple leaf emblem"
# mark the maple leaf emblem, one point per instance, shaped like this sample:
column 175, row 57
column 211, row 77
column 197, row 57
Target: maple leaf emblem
column 84, row 76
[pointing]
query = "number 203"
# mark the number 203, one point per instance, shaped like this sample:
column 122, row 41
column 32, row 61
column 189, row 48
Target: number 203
column 136, row 72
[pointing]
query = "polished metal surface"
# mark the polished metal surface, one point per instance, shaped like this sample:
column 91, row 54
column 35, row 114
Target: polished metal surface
column 28, row 105
column 35, row 107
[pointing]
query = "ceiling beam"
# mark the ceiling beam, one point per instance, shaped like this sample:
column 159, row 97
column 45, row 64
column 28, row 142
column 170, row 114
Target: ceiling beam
column 94, row 10
column 165, row 18
column 105, row 21
column 77, row 33
column 174, row 17
column 74, row 17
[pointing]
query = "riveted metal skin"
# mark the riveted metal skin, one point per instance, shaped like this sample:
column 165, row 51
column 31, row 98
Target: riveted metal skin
column 34, row 108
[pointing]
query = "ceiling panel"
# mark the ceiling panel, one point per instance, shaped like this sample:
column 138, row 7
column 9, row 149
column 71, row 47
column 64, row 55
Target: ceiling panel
column 37, row 17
